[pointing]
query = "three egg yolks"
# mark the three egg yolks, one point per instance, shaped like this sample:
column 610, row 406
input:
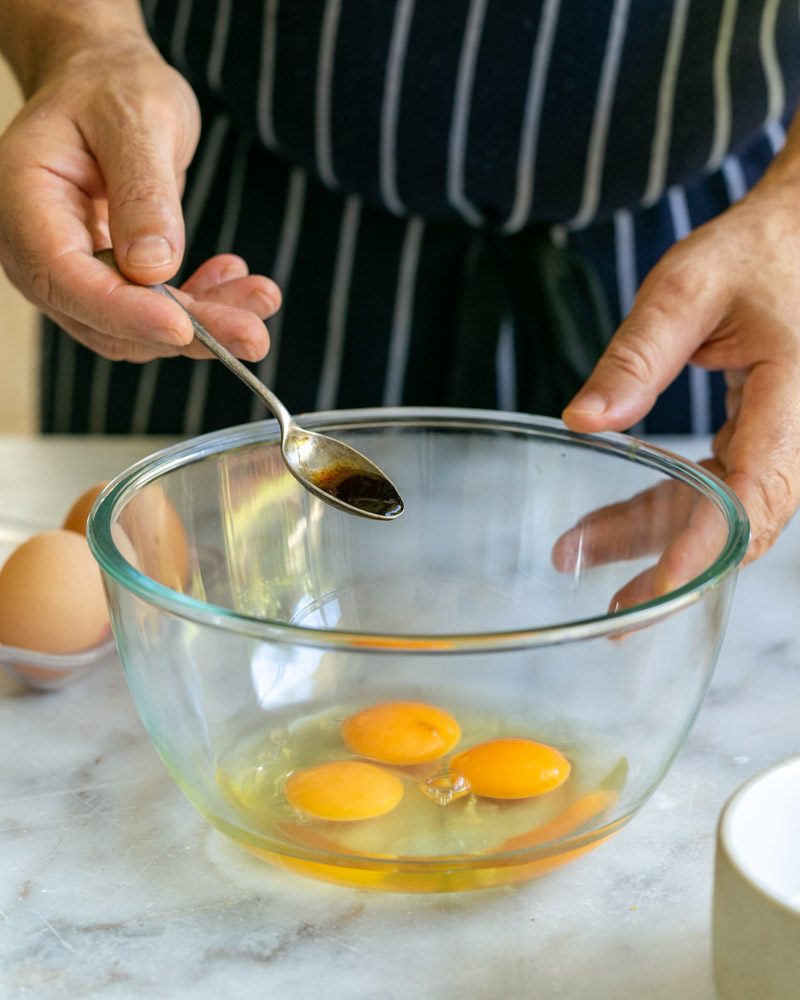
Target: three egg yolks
column 404, row 733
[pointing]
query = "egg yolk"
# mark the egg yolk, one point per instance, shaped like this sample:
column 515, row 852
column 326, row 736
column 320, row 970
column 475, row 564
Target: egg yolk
column 512, row 768
column 343, row 790
column 401, row 732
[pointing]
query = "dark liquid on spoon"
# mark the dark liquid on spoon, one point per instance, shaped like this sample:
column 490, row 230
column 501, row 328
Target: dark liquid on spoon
column 368, row 493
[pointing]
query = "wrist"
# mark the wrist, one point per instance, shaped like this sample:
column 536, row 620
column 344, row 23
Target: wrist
column 39, row 37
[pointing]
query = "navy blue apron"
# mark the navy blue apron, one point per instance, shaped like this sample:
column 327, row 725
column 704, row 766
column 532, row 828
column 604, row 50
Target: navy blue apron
column 458, row 199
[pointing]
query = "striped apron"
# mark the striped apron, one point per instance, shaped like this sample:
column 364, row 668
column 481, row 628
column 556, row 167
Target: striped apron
column 406, row 169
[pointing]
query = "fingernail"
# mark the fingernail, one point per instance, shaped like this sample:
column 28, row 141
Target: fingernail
column 230, row 273
column 150, row 251
column 164, row 335
column 567, row 551
column 589, row 402
column 261, row 302
column 241, row 349
column 246, row 350
column 273, row 290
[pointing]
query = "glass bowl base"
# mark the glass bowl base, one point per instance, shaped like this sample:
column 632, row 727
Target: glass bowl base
column 430, row 875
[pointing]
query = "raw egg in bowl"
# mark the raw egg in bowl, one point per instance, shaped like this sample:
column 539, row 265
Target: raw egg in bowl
column 470, row 695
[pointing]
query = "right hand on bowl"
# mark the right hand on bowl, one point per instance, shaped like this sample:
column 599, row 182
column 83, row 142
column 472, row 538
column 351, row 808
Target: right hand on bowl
column 671, row 521
column 97, row 156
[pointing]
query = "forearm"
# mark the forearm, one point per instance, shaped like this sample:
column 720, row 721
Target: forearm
column 36, row 36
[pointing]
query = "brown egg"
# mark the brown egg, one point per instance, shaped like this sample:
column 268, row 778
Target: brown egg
column 158, row 537
column 78, row 516
column 51, row 595
column 78, row 513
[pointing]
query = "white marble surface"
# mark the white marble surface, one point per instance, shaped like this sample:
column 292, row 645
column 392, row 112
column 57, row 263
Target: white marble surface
column 111, row 886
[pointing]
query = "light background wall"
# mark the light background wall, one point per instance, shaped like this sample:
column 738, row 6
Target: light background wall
column 18, row 340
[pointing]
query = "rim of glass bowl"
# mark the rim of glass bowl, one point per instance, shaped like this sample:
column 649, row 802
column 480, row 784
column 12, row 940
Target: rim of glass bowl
column 196, row 449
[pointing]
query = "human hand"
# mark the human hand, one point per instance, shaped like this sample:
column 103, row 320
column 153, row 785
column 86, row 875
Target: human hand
column 727, row 297
column 97, row 156
column 674, row 522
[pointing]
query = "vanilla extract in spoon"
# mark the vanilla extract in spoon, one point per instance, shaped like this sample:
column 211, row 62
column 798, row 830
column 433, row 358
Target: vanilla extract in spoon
column 357, row 488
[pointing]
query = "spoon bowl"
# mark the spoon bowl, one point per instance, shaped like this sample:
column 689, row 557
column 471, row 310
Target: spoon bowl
column 333, row 471
column 338, row 474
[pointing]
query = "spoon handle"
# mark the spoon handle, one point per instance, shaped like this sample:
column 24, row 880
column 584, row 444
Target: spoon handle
column 231, row 362
column 218, row 350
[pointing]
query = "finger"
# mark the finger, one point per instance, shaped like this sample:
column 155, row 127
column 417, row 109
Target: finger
column 761, row 458
column 639, row 590
column 133, row 312
column 216, row 270
column 722, row 438
column 254, row 293
column 119, row 349
column 642, row 525
column 684, row 559
column 113, row 348
column 140, row 154
column 686, row 555
column 94, row 294
column 240, row 330
column 673, row 519
column 225, row 278
column 734, row 382
column 673, row 313
column 693, row 550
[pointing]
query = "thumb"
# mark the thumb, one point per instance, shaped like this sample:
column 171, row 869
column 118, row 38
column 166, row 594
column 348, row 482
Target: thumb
column 144, row 208
column 669, row 320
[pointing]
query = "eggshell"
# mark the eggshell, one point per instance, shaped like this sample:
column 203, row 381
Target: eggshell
column 158, row 537
column 51, row 595
column 78, row 514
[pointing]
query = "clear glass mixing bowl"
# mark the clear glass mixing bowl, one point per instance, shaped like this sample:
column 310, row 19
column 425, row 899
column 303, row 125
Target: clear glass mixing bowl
column 565, row 590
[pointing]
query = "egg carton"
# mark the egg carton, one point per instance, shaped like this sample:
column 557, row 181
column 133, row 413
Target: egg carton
column 45, row 670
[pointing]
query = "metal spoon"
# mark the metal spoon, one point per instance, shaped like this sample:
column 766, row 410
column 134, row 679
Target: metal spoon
column 331, row 470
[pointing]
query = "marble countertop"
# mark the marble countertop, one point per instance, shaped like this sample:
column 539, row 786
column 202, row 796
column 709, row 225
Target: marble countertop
column 111, row 886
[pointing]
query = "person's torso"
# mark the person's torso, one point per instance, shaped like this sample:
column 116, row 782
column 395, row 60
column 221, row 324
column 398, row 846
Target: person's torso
column 497, row 111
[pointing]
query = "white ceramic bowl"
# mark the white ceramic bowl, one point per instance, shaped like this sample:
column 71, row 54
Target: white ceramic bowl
column 757, row 889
